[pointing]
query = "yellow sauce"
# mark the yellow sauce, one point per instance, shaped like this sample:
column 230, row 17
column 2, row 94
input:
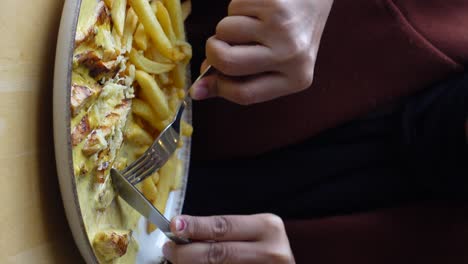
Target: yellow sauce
column 117, row 215
column 107, row 132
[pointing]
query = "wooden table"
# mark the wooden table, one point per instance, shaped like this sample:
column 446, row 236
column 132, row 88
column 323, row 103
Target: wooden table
column 33, row 225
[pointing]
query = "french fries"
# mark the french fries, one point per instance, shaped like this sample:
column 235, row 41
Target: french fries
column 139, row 150
column 157, row 56
column 164, row 79
column 186, row 49
column 175, row 11
column 186, row 129
column 165, row 20
column 179, row 73
column 173, row 100
column 155, row 177
column 131, row 21
column 177, row 174
column 186, row 9
column 147, row 65
column 154, row 5
column 138, row 135
column 178, row 76
column 143, row 110
column 141, row 40
column 150, row 35
column 153, row 28
column 170, row 173
column 166, row 178
column 118, row 15
column 153, row 94
column 149, row 189
column 181, row 93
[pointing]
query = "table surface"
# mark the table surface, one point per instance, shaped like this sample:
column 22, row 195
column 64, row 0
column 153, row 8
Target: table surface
column 33, row 224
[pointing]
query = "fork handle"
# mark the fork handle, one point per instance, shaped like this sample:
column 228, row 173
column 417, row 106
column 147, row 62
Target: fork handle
column 208, row 71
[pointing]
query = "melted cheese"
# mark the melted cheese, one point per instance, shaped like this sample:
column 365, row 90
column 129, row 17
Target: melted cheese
column 105, row 134
column 90, row 10
column 107, row 111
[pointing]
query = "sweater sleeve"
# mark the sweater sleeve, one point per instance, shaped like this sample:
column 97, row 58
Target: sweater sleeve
column 443, row 23
column 372, row 53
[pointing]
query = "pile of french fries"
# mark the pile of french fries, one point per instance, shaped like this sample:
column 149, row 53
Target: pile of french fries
column 152, row 38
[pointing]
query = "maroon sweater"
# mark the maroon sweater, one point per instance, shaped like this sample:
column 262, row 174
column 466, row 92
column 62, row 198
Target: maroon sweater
column 372, row 53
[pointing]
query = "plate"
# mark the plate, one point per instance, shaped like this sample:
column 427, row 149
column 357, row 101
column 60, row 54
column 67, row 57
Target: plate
column 149, row 245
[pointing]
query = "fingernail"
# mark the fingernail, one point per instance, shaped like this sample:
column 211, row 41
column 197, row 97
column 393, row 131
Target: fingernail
column 200, row 90
column 180, row 224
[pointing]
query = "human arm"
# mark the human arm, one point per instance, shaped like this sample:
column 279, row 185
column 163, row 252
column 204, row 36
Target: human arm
column 264, row 50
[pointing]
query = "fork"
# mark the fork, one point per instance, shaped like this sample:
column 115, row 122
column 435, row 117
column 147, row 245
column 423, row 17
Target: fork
column 153, row 159
column 158, row 153
column 162, row 148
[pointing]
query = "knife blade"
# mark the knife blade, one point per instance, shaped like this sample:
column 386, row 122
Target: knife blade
column 135, row 199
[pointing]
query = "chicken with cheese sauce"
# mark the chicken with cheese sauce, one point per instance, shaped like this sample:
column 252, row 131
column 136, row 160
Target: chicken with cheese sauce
column 106, row 130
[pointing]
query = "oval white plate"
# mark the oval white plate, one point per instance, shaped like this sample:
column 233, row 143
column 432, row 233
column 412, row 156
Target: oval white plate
column 150, row 245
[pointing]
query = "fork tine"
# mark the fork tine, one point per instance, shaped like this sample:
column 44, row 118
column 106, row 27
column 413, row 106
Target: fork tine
column 137, row 164
column 143, row 166
column 151, row 165
column 158, row 153
column 178, row 117
column 166, row 145
column 144, row 175
column 157, row 159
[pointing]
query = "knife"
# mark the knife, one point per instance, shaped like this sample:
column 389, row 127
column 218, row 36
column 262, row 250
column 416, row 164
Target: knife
column 139, row 202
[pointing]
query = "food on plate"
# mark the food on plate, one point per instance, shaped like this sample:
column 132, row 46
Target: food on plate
column 128, row 78
column 111, row 244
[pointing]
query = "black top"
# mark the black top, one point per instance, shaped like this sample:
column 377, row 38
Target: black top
column 415, row 151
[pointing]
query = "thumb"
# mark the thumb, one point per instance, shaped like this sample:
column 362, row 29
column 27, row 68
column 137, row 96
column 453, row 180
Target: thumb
column 204, row 66
column 204, row 88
